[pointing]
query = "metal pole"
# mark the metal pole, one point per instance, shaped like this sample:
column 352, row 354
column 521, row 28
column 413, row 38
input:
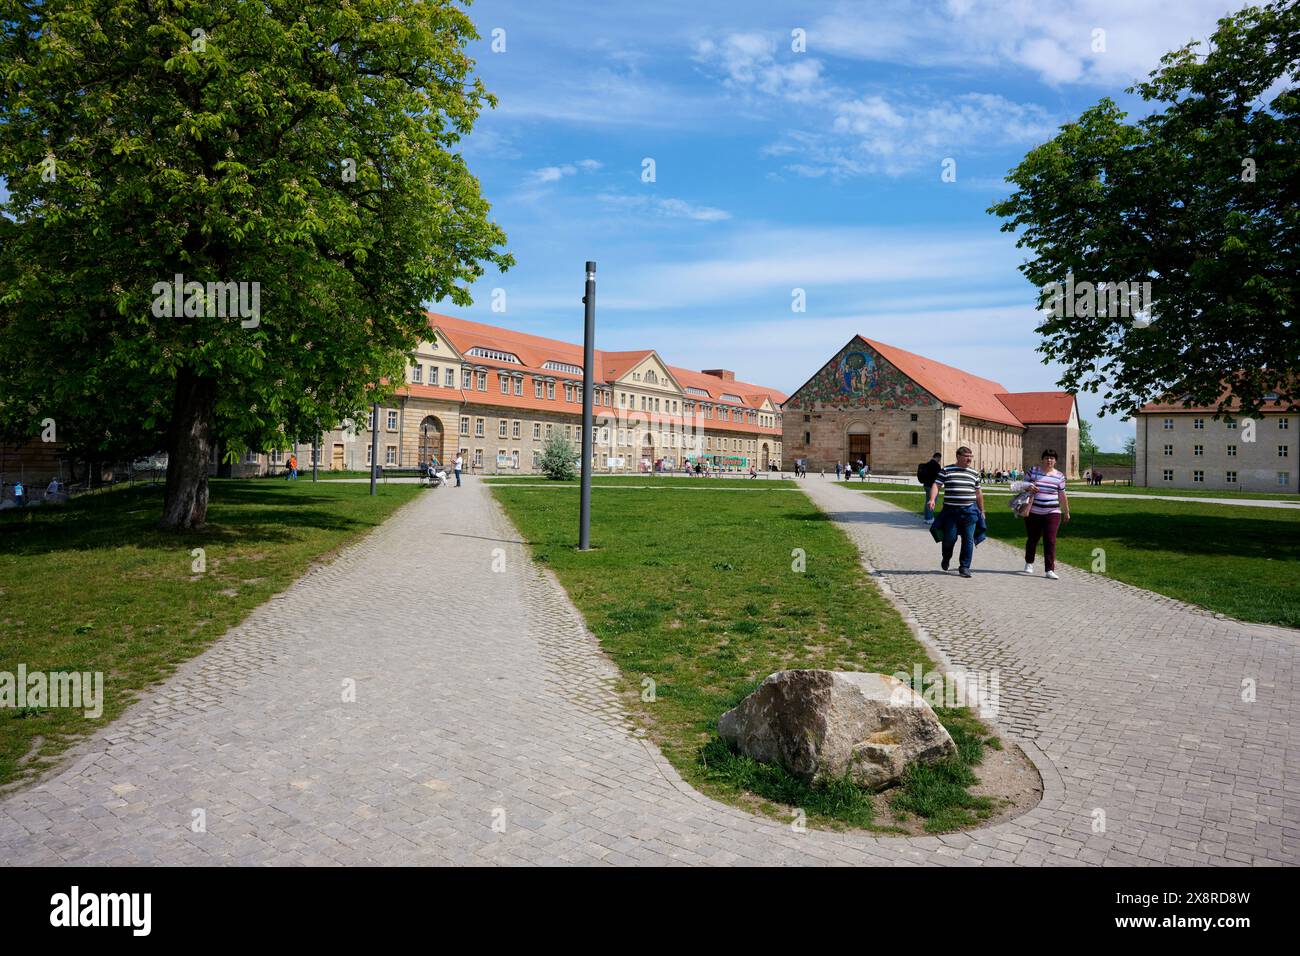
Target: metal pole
column 374, row 447
column 588, row 361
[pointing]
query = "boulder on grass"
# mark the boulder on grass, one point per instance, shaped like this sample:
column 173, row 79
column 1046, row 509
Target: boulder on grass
column 822, row 726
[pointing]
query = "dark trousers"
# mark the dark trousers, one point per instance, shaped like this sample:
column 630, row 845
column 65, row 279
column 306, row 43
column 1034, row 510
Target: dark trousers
column 1045, row 527
column 457, row 477
column 962, row 525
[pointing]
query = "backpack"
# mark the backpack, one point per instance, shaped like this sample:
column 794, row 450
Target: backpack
column 920, row 472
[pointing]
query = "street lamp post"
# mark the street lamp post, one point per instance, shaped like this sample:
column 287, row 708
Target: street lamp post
column 588, row 361
column 374, row 447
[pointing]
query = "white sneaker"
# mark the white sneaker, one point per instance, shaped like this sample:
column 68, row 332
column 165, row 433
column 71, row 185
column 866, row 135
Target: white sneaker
column 1029, row 569
column 1053, row 575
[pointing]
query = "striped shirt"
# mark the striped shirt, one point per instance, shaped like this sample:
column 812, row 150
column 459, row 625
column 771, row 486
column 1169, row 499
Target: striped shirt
column 1047, row 499
column 958, row 485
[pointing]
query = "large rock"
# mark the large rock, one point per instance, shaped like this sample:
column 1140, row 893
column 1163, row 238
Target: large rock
column 824, row 725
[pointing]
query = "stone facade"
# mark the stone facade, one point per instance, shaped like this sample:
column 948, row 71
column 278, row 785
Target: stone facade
column 861, row 406
column 1190, row 449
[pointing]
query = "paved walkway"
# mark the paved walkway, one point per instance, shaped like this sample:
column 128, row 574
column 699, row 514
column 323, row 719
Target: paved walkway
column 481, row 700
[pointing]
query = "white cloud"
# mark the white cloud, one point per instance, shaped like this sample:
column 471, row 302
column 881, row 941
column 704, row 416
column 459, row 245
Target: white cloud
column 664, row 207
column 856, row 133
column 553, row 174
column 1051, row 38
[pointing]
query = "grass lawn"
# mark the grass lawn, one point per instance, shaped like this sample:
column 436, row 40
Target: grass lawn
column 697, row 593
column 1234, row 560
column 94, row 586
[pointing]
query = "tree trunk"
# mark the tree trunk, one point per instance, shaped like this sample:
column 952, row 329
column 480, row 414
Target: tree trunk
column 189, row 448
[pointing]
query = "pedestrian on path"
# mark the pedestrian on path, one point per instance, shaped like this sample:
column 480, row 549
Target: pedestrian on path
column 1050, row 509
column 293, row 468
column 837, row 470
column 926, row 473
column 963, row 510
column 459, row 464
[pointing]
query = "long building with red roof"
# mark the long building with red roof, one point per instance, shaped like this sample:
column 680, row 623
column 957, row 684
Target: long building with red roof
column 892, row 409
column 495, row 395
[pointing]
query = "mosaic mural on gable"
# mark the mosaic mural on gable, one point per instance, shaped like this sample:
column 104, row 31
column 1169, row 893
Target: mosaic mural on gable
column 858, row 377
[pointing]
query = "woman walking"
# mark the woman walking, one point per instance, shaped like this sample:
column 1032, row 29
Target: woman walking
column 1051, row 507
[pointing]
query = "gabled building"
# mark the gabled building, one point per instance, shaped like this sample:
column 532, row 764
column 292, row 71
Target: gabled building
column 893, row 409
column 495, row 394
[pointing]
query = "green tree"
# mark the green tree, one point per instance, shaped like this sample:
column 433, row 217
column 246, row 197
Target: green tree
column 1130, row 446
column 1201, row 199
column 558, row 458
column 304, row 149
column 1087, row 446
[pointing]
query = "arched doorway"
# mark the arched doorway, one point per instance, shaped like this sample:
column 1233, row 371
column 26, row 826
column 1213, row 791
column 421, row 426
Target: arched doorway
column 765, row 459
column 859, row 444
column 648, row 452
column 430, row 439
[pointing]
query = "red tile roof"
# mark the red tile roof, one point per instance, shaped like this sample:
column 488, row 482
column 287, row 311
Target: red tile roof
column 1039, row 408
column 975, row 396
column 534, row 350
column 1176, row 405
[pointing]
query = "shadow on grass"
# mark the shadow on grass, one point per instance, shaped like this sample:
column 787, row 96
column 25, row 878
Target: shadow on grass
column 111, row 519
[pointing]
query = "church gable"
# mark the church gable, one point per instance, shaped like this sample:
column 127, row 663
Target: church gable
column 859, row 377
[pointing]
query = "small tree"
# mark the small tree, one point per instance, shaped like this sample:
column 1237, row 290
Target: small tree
column 557, row 458
column 1087, row 445
column 1130, row 446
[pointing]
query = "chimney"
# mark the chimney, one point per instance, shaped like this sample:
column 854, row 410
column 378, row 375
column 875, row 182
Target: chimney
column 725, row 374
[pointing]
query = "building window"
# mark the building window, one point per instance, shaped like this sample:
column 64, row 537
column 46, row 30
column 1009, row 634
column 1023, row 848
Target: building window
column 505, row 384
column 1231, row 423
column 501, row 428
column 1232, row 451
column 550, row 390
column 1230, row 477
column 277, row 456
column 913, row 419
column 1282, row 451
column 369, row 452
column 478, row 457
column 519, row 386
column 1283, row 424
column 1284, row 477
column 390, row 455
column 537, row 431
column 514, row 459
column 537, row 459
column 1198, row 476
column 1169, row 474
column 1169, row 424
column 548, row 429
column 478, row 428
column 481, row 381
column 451, row 378
column 515, row 429
column 464, row 425
column 568, row 433
column 1198, row 422
column 371, row 421
column 568, row 392
column 1198, row 450
column 466, row 378
column 807, row 438
column 417, row 373
column 392, row 419
column 1169, row 450
column 537, row 388
column 916, row 439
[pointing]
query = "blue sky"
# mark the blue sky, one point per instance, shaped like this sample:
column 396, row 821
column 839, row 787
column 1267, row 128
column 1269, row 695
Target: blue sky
column 778, row 170
column 775, row 170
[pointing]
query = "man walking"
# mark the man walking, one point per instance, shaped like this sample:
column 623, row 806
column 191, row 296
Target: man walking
column 926, row 474
column 963, row 509
column 459, row 463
